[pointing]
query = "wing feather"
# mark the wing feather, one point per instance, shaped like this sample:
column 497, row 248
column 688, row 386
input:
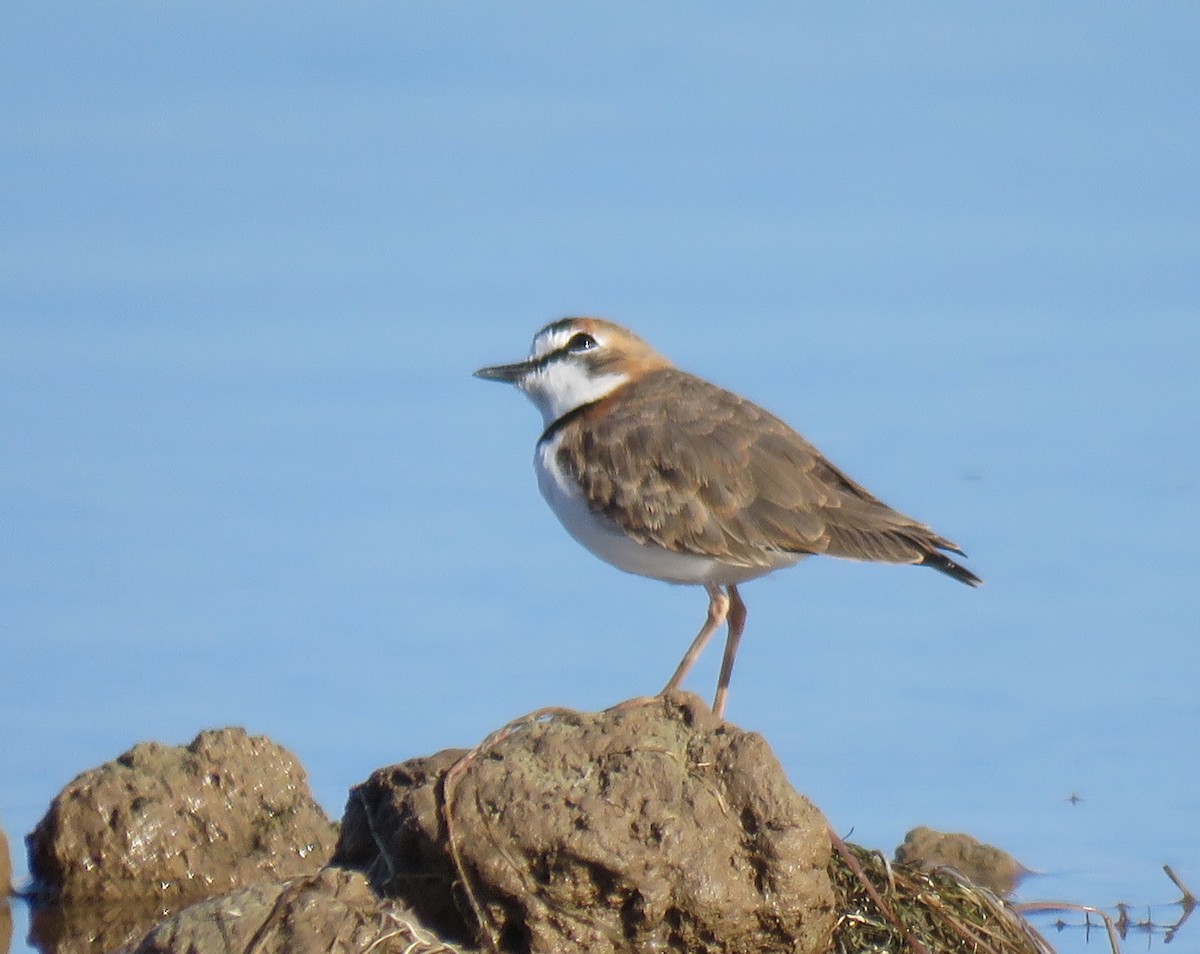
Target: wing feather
column 681, row 463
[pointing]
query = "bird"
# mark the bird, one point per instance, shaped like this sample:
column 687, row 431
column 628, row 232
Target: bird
column 666, row 475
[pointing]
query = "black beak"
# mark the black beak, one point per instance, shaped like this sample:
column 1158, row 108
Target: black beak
column 508, row 373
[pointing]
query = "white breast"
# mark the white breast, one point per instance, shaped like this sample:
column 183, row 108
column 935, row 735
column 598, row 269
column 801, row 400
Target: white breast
column 607, row 541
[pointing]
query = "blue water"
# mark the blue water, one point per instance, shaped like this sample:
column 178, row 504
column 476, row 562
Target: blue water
column 248, row 261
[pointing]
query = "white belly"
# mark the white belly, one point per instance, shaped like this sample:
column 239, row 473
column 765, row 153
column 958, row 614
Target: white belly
column 606, row 540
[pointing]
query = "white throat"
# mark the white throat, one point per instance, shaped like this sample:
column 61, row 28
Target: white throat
column 561, row 386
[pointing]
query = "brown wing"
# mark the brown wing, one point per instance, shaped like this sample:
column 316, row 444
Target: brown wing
column 762, row 488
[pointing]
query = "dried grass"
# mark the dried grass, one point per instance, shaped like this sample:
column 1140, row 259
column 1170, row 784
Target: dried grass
column 897, row 909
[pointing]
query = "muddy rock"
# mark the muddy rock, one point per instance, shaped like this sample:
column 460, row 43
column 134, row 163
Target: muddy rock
column 332, row 911
column 5, row 867
column 984, row 864
column 652, row 826
column 391, row 830
column 180, row 823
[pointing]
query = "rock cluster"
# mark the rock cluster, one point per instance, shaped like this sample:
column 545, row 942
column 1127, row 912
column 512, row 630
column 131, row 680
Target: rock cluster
column 649, row 827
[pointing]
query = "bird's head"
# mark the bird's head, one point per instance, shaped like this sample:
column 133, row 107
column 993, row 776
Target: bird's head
column 576, row 361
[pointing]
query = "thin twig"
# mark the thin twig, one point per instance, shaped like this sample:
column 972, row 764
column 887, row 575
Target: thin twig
column 421, row 940
column 1084, row 908
column 289, row 891
column 447, row 788
column 381, row 849
column 1188, row 900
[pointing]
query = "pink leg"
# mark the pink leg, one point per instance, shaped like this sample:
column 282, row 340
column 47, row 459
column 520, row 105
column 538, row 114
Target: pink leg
column 718, row 609
column 737, row 623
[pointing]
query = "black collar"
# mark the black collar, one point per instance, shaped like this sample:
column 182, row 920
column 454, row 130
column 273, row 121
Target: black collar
column 557, row 425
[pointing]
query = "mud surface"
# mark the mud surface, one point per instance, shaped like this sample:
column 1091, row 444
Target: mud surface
column 179, row 823
column 648, row 827
column 332, row 911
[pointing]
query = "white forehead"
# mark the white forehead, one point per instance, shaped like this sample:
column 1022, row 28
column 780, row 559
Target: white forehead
column 555, row 336
column 550, row 338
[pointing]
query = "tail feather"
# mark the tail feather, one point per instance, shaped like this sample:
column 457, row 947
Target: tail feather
column 939, row 561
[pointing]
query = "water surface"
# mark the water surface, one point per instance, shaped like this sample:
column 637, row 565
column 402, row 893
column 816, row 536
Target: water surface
column 250, row 263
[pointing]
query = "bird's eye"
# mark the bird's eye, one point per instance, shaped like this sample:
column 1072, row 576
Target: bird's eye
column 581, row 341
